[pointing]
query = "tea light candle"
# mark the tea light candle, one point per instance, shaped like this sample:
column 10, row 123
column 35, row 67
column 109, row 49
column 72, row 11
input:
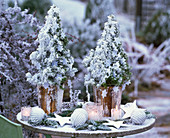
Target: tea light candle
column 95, row 111
column 25, row 113
column 116, row 113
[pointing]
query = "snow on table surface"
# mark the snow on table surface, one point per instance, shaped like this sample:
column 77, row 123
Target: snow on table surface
column 67, row 129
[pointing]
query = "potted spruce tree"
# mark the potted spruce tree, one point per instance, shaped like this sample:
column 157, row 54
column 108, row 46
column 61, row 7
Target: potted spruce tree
column 53, row 62
column 107, row 67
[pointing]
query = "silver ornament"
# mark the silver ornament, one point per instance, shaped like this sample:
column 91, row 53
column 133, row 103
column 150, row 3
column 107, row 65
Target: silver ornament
column 79, row 117
column 138, row 116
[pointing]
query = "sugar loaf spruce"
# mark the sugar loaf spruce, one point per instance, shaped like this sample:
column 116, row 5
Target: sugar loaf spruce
column 52, row 59
column 53, row 62
column 107, row 64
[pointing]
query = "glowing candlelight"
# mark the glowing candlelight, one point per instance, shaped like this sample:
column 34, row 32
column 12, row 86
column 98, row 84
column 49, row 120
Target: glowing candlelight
column 25, row 113
column 93, row 115
column 116, row 113
column 95, row 111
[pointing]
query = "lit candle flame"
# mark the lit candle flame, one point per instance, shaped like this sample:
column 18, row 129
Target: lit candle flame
column 116, row 107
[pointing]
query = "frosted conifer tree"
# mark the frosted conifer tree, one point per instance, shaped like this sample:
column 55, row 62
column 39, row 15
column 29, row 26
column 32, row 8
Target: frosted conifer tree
column 107, row 64
column 52, row 60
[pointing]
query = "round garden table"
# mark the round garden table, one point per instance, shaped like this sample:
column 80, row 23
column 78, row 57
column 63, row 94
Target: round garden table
column 68, row 131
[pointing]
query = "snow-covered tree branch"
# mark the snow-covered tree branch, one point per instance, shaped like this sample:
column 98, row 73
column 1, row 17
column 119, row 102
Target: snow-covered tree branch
column 17, row 40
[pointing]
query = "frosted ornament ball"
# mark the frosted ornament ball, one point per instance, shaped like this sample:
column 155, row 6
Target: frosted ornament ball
column 79, row 117
column 37, row 115
column 138, row 116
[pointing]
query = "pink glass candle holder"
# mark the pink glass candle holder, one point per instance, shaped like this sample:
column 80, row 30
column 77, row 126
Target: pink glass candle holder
column 95, row 111
column 25, row 113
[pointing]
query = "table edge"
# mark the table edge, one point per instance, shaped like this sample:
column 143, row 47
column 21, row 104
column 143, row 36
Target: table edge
column 81, row 134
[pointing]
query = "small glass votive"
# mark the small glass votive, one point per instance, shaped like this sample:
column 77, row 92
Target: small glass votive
column 116, row 113
column 94, row 110
column 25, row 113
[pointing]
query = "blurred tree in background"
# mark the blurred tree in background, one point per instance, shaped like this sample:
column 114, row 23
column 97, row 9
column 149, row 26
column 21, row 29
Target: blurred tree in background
column 39, row 7
column 157, row 29
column 99, row 10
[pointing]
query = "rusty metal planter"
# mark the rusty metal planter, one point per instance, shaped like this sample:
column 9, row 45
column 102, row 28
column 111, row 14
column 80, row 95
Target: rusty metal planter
column 50, row 99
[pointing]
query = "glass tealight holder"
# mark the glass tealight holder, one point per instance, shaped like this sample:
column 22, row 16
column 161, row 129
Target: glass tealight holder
column 116, row 113
column 25, row 113
column 94, row 110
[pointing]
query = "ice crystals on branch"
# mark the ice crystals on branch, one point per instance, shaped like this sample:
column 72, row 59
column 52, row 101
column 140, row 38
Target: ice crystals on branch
column 52, row 59
column 60, row 48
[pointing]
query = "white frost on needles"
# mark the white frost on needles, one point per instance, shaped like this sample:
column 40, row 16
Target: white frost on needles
column 104, row 93
column 107, row 64
column 116, row 89
column 52, row 60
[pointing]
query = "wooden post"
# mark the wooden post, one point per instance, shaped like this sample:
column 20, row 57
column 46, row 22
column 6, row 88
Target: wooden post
column 138, row 15
column 125, row 6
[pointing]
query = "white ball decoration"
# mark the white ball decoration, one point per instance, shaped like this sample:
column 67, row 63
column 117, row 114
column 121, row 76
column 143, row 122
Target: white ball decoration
column 37, row 115
column 138, row 116
column 79, row 117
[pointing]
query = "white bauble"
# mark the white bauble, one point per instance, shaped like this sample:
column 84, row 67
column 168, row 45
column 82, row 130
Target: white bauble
column 37, row 115
column 79, row 117
column 138, row 116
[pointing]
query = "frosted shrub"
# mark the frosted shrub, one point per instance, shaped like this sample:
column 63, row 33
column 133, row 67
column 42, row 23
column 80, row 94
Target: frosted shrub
column 148, row 62
column 52, row 59
column 16, row 44
column 158, row 28
column 154, row 62
column 82, row 37
column 39, row 7
column 107, row 64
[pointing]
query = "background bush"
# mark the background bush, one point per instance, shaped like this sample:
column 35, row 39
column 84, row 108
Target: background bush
column 39, row 7
column 158, row 28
